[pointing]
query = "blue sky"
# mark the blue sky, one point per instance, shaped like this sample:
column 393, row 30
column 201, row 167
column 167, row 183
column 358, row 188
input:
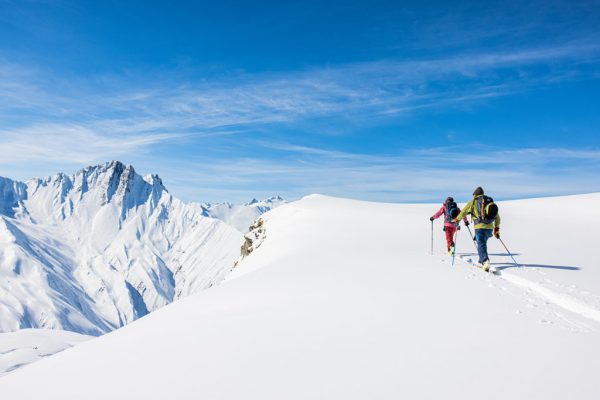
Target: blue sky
column 379, row 100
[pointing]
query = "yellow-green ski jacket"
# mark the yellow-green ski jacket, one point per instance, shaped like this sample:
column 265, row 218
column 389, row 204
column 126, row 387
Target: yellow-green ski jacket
column 471, row 209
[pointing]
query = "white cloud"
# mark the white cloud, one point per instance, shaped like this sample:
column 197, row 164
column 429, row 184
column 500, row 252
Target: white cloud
column 77, row 144
column 414, row 175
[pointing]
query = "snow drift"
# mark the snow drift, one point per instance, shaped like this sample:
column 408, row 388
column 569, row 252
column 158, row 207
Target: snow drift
column 343, row 300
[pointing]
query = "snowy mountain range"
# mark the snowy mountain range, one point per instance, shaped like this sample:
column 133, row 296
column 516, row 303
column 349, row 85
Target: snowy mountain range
column 93, row 251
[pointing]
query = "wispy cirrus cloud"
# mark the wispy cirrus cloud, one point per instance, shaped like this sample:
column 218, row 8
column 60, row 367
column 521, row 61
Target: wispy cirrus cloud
column 382, row 87
column 63, row 124
column 70, row 143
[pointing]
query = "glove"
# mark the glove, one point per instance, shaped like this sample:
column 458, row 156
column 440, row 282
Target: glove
column 467, row 223
column 431, row 219
column 458, row 228
column 497, row 232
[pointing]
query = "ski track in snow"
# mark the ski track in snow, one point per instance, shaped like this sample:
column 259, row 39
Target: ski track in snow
column 535, row 292
column 565, row 301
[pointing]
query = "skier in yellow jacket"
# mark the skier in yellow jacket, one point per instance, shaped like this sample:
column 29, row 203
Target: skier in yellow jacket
column 484, row 213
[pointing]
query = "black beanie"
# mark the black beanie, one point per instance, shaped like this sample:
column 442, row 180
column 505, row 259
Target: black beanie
column 478, row 191
column 449, row 199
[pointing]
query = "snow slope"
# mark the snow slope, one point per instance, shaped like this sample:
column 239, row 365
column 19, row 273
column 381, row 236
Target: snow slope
column 98, row 249
column 25, row 346
column 343, row 301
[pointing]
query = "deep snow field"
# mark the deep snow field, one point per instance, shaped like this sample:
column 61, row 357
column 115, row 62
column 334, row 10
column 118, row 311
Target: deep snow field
column 342, row 300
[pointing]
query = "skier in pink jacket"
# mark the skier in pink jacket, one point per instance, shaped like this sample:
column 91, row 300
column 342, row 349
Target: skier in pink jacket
column 450, row 211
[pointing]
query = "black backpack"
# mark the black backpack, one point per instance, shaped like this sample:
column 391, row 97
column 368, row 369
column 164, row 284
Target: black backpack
column 452, row 210
column 485, row 210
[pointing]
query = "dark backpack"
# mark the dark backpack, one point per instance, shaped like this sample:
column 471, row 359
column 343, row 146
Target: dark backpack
column 452, row 211
column 485, row 210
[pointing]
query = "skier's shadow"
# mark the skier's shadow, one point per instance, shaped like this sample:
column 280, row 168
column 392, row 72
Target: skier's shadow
column 491, row 254
column 505, row 265
column 502, row 266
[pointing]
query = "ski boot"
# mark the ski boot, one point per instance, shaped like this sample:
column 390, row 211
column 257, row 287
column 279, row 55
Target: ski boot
column 487, row 265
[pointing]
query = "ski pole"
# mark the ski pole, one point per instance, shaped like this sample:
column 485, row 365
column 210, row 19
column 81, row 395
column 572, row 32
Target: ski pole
column 470, row 234
column 509, row 253
column 472, row 238
column 454, row 252
column 431, row 237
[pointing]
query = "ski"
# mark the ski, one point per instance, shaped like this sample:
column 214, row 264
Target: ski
column 492, row 270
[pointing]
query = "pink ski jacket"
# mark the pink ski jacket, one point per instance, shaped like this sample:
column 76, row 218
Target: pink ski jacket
column 442, row 211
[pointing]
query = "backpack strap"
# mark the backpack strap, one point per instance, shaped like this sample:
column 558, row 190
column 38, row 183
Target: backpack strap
column 478, row 209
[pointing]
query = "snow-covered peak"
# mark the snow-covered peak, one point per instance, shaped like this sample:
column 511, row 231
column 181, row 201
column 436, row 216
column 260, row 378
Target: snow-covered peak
column 119, row 181
column 154, row 180
column 92, row 188
column 241, row 216
column 267, row 201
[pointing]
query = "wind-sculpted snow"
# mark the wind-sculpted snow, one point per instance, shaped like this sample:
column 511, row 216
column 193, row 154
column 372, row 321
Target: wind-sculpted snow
column 95, row 250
